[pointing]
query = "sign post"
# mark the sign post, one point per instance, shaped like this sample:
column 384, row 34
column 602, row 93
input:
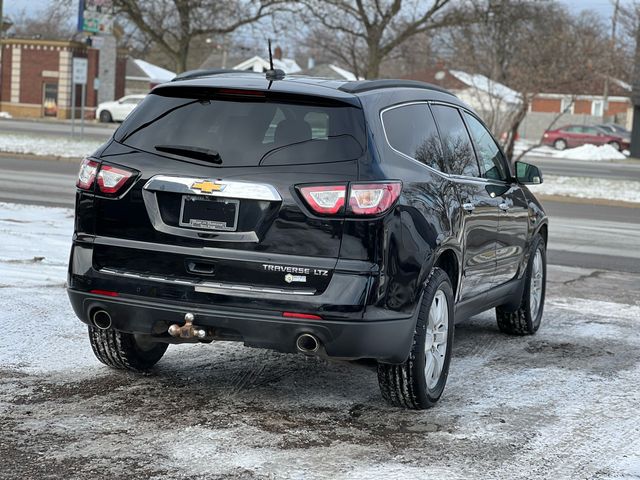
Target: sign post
column 79, row 77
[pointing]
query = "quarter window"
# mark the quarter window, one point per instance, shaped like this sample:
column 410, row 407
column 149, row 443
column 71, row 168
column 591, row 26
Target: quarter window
column 489, row 155
column 411, row 130
column 456, row 143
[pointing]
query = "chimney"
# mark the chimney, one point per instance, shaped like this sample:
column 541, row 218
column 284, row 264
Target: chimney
column 277, row 53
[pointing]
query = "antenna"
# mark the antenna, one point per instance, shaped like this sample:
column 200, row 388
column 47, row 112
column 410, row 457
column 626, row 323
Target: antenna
column 270, row 56
column 273, row 73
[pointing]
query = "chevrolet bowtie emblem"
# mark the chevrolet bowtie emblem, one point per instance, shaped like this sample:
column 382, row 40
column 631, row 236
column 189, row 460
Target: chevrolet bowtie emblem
column 208, row 186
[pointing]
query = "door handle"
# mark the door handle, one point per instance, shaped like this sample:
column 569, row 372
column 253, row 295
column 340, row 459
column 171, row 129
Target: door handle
column 469, row 206
column 504, row 206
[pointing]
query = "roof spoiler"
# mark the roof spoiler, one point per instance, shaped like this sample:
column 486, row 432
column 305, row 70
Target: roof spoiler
column 367, row 85
column 205, row 73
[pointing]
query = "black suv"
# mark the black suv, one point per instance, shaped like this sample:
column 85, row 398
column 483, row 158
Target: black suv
column 352, row 220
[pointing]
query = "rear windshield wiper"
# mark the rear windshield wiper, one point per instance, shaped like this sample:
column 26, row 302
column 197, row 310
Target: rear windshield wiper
column 191, row 152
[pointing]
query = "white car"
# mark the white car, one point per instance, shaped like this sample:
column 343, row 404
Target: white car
column 117, row 110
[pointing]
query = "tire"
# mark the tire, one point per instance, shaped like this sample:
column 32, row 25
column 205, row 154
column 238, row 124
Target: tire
column 527, row 318
column 616, row 145
column 105, row 117
column 560, row 144
column 122, row 351
column 407, row 385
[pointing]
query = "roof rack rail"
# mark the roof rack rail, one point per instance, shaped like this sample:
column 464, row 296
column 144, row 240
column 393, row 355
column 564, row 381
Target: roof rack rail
column 205, row 73
column 367, row 85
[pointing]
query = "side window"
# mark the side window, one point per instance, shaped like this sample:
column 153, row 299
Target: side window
column 411, row 130
column 456, row 143
column 590, row 130
column 489, row 155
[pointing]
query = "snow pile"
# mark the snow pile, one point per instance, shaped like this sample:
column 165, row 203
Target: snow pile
column 35, row 245
column 5, row 115
column 587, row 187
column 49, row 145
column 592, row 153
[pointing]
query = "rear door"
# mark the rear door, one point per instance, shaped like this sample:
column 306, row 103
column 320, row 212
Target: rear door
column 480, row 221
column 511, row 235
column 220, row 173
column 594, row 136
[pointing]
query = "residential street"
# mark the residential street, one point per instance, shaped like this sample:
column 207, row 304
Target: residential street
column 626, row 170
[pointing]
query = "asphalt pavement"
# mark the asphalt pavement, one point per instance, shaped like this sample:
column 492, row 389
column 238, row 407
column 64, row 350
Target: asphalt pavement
column 581, row 234
column 625, row 170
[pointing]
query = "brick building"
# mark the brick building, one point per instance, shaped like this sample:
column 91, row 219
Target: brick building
column 35, row 78
column 588, row 100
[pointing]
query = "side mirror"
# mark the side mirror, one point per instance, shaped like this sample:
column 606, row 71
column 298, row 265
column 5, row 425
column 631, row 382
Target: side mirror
column 528, row 174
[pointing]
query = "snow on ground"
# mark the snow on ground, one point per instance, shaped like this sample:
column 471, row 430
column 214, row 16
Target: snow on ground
column 47, row 145
column 34, row 245
column 589, row 187
column 585, row 152
column 5, row 115
column 562, row 404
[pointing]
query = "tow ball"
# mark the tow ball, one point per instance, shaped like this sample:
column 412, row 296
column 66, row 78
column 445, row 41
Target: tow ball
column 188, row 331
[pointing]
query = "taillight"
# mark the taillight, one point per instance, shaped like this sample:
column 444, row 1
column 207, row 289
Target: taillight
column 87, row 174
column 373, row 198
column 364, row 198
column 325, row 199
column 112, row 179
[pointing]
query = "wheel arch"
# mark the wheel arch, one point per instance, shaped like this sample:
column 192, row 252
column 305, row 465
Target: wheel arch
column 449, row 261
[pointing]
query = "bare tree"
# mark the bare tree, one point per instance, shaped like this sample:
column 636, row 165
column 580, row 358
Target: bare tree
column 173, row 25
column 531, row 46
column 362, row 34
column 51, row 23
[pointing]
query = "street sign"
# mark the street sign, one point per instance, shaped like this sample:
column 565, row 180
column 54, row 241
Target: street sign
column 95, row 16
column 80, row 71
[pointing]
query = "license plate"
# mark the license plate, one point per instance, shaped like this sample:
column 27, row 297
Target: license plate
column 209, row 213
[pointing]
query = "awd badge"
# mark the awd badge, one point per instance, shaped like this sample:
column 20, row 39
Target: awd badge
column 295, row 278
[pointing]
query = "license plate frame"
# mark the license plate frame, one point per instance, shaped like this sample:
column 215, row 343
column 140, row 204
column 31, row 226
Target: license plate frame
column 208, row 223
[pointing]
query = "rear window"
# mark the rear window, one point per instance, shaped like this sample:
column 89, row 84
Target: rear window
column 245, row 131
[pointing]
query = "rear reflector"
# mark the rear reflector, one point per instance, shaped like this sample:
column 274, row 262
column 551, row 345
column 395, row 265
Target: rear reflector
column 87, row 174
column 306, row 316
column 112, row 179
column 373, row 198
column 107, row 293
column 325, row 199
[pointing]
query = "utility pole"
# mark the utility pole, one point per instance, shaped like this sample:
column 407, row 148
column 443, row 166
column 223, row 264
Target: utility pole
column 635, row 97
column 614, row 25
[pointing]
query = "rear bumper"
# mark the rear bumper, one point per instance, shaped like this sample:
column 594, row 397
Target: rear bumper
column 386, row 340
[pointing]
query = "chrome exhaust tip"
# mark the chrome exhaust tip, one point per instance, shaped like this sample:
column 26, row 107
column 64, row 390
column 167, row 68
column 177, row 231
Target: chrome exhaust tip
column 101, row 319
column 307, row 343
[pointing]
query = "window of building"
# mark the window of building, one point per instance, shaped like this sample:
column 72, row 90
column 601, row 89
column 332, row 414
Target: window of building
column 597, row 108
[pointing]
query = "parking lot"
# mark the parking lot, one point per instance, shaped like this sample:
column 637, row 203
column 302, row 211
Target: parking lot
column 561, row 404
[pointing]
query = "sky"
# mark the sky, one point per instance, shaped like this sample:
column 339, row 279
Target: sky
column 603, row 7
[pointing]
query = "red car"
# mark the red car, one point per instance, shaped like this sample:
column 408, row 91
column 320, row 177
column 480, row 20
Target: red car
column 571, row 136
